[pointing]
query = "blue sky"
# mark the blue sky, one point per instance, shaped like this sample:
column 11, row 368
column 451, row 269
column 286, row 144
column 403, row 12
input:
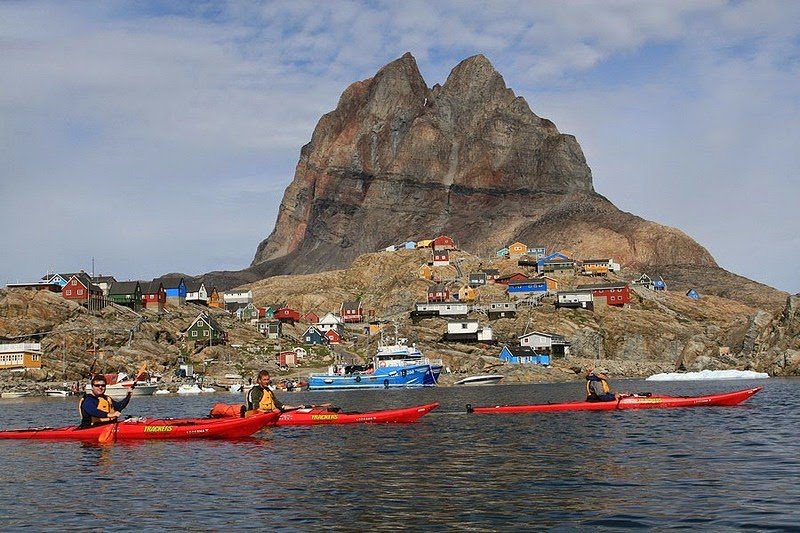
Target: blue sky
column 159, row 136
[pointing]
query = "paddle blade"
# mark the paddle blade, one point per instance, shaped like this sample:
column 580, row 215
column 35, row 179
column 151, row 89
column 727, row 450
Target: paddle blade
column 108, row 435
column 138, row 375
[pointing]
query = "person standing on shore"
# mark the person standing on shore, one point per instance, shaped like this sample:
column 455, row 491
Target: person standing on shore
column 98, row 408
column 261, row 397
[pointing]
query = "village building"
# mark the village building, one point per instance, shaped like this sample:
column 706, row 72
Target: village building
column 330, row 321
column 555, row 345
column 555, row 256
column 441, row 258
column 424, row 243
column 196, row 293
column 351, row 311
column 314, row 336
column 286, row 359
column 206, row 330
column 215, row 299
column 301, row 353
column 575, row 300
column 520, row 289
column 502, row 252
column 497, row 310
column 517, row 250
column 272, row 329
column 520, row 355
column 80, row 289
column 235, row 299
column 438, row 293
column 127, row 294
column 654, row 284
column 176, row 290
column 552, row 283
column 287, row 314
column 409, row 245
column 311, row 318
column 477, row 279
column 443, row 242
column 491, row 274
column 528, row 261
column 248, row 313
column 59, row 279
column 537, row 251
column 468, row 331
column 154, row 297
column 508, row 278
column 616, row 294
column 20, row 355
column 104, row 282
column 693, row 294
column 557, row 266
column 446, row 309
column 36, row 286
column 333, row 336
column 466, row 294
column 425, row 272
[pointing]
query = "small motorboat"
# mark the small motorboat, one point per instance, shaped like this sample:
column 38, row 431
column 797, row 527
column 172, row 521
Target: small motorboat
column 484, row 379
column 58, row 393
column 14, row 394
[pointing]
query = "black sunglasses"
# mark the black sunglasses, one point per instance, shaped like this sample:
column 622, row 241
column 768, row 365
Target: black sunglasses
column 98, row 385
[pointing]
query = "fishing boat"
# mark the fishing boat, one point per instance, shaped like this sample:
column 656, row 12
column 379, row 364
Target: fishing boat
column 147, row 429
column 485, row 379
column 633, row 401
column 395, row 365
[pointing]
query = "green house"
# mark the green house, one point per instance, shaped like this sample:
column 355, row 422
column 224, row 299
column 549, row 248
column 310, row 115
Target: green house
column 127, row 293
column 205, row 329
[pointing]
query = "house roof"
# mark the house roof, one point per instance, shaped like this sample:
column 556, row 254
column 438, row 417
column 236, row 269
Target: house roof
column 439, row 287
column 351, row 305
column 171, row 283
column 123, row 287
column 491, row 271
column 104, row 279
column 210, row 320
column 555, row 339
column 596, row 261
column 150, row 287
column 84, row 278
column 601, row 286
column 194, row 286
column 520, row 351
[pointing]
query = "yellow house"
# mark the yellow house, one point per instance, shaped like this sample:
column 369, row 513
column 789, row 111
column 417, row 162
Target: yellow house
column 424, row 243
column 214, row 299
column 552, row 283
column 596, row 267
column 466, row 294
column 517, row 249
column 21, row 355
column 425, row 272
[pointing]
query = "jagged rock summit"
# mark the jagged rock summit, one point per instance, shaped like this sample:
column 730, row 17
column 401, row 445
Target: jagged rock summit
column 399, row 161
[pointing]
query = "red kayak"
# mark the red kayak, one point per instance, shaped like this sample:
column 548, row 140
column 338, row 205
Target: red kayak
column 321, row 415
column 165, row 428
column 315, row 416
column 627, row 402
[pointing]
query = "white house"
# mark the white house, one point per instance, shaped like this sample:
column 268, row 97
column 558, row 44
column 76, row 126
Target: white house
column 468, row 331
column 330, row 321
column 575, row 299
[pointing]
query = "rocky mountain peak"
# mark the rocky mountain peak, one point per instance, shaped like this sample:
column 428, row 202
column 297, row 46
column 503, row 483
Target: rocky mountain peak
column 399, row 161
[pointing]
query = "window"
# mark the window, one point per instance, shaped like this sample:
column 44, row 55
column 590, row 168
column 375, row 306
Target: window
column 194, row 333
column 80, row 292
column 69, row 292
column 74, row 281
column 463, row 326
column 205, row 333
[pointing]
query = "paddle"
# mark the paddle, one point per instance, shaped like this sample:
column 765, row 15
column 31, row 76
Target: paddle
column 109, row 433
column 139, row 373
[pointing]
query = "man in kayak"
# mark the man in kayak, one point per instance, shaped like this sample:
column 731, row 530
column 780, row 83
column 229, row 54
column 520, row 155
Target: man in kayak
column 594, row 378
column 262, row 398
column 97, row 408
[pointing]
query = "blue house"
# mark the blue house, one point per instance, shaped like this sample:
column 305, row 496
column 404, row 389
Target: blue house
column 409, row 245
column 659, row 284
column 530, row 286
column 502, row 252
column 314, row 336
column 175, row 289
column 693, row 294
column 516, row 355
column 554, row 256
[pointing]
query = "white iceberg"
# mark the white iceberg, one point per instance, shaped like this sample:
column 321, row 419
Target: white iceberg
column 708, row 375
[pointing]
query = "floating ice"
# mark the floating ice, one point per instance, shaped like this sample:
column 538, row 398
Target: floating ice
column 708, row 375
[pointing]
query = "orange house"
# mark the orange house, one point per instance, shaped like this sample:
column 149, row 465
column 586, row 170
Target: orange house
column 552, row 283
column 466, row 294
column 425, row 272
column 517, row 249
column 214, row 299
column 21, row 355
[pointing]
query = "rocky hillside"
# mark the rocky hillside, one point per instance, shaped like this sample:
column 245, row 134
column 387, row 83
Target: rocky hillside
column 397, row 160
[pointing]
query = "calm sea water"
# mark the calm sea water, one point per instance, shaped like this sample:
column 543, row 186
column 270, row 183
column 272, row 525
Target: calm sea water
column 710, row 468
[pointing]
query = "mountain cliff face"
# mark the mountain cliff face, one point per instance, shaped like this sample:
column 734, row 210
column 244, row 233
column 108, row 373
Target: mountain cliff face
column 397, row 160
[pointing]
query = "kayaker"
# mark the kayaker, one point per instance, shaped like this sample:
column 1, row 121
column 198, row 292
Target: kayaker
column 594, row 378
column 262, row 398
column 98, row 408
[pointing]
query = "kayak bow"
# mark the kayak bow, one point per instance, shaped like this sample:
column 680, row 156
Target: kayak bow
column 626, row 402
column 167, row 428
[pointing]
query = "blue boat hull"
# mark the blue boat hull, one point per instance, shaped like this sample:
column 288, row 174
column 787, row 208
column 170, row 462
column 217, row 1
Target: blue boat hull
column 385, row 378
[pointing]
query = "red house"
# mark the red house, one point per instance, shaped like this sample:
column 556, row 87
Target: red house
column 617, row 294
column 516, row 276
column 438, row 293
column 286, row 314
column 286, row 359
column 443, row 242
column 333, row 336
column 441, row 258
column 311, row 317
column 79, row 288
column 153, row 295
column 351, row 311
